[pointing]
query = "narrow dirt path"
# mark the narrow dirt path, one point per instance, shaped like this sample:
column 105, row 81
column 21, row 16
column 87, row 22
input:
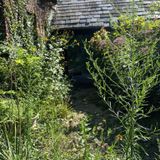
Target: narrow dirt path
column 87, row 101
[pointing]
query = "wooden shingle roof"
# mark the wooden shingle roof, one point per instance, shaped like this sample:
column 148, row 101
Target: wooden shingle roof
column 94, row 13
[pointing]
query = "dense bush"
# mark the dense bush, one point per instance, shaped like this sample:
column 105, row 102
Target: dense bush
column 33, row 88
column 28, row 60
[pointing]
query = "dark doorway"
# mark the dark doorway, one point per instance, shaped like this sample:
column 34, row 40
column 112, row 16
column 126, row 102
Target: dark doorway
column 77, row 58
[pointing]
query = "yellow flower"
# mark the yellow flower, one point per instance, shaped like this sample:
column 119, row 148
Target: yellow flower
column 119, row 137
column 19, row 61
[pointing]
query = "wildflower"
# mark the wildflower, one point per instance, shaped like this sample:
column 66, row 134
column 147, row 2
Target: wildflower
column 144, row 50
column 119, row 137
column 119, row 41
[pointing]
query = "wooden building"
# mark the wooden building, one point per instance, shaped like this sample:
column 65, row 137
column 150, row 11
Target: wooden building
column 87, row 16
column 82, row 16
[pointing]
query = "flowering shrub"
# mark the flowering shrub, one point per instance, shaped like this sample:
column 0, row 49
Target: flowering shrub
column 125, row 66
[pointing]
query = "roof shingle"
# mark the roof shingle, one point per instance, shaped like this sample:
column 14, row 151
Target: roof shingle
column 95, row 13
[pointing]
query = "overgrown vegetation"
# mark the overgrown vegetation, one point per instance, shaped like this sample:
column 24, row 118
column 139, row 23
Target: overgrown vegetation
column 30, row 60
column 125, row 68
column 34, row 89
column 36, row 121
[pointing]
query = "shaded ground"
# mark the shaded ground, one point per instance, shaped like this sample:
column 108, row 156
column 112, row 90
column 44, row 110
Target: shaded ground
column 85, row 100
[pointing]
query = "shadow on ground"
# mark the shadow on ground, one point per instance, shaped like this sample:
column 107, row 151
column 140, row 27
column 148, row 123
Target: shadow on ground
column 85, row 99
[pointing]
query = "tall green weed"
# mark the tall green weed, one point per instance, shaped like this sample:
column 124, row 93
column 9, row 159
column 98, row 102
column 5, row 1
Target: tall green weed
column 124, row 66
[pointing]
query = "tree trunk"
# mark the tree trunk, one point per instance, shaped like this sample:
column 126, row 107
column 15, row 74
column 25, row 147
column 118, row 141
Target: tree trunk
column 41, row 9
column 3, row 29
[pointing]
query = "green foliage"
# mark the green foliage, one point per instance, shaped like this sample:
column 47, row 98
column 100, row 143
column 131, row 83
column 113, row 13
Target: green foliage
column 158, row 155
column 33, row 89
column 125, row 67
column 30, row 60
column 31, row 130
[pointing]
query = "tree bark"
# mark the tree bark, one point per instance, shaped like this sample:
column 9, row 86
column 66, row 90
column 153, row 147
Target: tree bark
column 3, row 25
column 41, row 9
